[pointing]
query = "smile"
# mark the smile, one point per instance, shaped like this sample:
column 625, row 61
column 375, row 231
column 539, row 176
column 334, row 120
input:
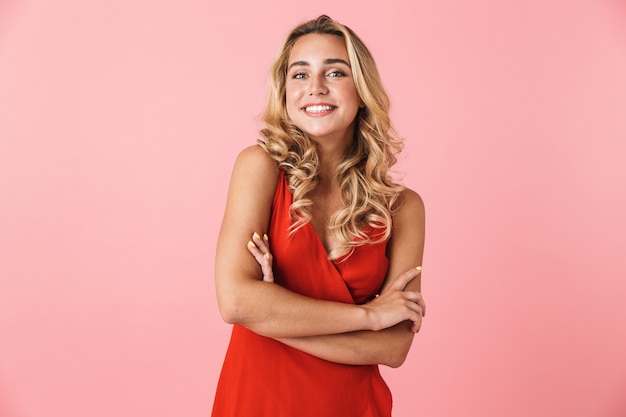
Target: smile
column 319, row 108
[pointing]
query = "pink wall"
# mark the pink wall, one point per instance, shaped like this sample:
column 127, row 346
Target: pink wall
column 119, row 124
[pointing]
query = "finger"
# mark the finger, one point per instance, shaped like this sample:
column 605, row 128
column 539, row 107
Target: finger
column 416, row 321
column 264, row 261
column 417, row 317
column 422, row 302
column 261, row 243
column 413, row 296
column 255, row 251
column 268, row 273
column 417, row 298
column 416, row 308
column 417, row 325
column 258, row 241
column 406, row 277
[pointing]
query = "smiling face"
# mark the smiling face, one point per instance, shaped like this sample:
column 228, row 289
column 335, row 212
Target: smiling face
column 320, row 94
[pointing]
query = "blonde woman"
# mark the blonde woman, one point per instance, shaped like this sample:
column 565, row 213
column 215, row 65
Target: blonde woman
column 318, row 256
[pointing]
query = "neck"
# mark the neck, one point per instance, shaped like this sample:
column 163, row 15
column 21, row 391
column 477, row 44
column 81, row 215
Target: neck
column 329, row 159
column 331, row 153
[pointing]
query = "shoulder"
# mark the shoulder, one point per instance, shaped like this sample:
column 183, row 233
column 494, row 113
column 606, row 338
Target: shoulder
column 256, row 166
column 254, row 177
column 409, row 204
column 409, row 217
column 255, row 157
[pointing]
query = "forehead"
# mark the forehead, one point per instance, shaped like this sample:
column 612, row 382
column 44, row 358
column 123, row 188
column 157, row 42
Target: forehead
column 316, row 47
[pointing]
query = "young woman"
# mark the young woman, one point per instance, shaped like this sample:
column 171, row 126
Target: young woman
column 318, row 256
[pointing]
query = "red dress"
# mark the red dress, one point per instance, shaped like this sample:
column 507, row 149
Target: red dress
column 262, row 377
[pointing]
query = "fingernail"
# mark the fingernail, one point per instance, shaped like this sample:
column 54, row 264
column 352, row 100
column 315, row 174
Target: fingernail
column 257, row 235
column 267, row 256
column 251, row 244
column 419, row 268
column 265, row 236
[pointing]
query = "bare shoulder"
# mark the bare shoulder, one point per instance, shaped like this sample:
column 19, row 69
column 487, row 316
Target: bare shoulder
column 255, row 158
column 410, row 208
column 253, row 181
column 408, row 229
column 254, row 171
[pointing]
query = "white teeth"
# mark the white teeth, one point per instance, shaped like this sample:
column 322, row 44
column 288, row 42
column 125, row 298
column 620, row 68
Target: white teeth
column 318, row 109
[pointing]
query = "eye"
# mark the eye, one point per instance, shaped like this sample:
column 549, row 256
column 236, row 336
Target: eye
column 336, row 74
column 299, row 75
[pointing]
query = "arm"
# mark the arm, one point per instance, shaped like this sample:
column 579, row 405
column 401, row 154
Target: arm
column 271, row 310
column 391, row 345
column 387, row 347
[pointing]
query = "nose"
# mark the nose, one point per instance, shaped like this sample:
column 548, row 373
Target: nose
column 317, row 85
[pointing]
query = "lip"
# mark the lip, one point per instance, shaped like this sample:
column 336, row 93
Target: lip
column 317, row 114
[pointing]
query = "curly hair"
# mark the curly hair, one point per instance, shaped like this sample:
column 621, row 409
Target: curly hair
column 368, row 193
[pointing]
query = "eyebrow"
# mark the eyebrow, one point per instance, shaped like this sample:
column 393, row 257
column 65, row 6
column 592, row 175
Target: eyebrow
column 328, row 61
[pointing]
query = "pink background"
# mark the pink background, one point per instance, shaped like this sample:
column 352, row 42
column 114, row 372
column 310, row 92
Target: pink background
column 119, row 125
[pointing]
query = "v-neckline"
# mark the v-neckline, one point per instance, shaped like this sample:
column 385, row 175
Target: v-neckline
column 308, row 224
column 319, row 240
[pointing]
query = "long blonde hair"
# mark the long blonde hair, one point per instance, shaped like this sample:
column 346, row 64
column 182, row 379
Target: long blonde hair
column 368, row 193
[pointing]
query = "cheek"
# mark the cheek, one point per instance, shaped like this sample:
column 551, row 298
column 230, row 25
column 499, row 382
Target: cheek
column 289, row 107
column 291, row 99
column 349, row 94
column 355, row 97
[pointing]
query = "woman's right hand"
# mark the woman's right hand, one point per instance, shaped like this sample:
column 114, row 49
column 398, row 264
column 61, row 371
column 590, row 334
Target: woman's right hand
column 395, row 305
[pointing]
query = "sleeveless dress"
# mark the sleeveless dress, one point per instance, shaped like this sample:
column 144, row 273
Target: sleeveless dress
column 262, row 377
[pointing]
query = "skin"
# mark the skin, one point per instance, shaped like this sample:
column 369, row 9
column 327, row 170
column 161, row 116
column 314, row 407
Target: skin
column 379, row 332
column 319, row 73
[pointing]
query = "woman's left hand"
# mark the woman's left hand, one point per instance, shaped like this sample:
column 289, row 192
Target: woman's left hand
column 259, row 248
